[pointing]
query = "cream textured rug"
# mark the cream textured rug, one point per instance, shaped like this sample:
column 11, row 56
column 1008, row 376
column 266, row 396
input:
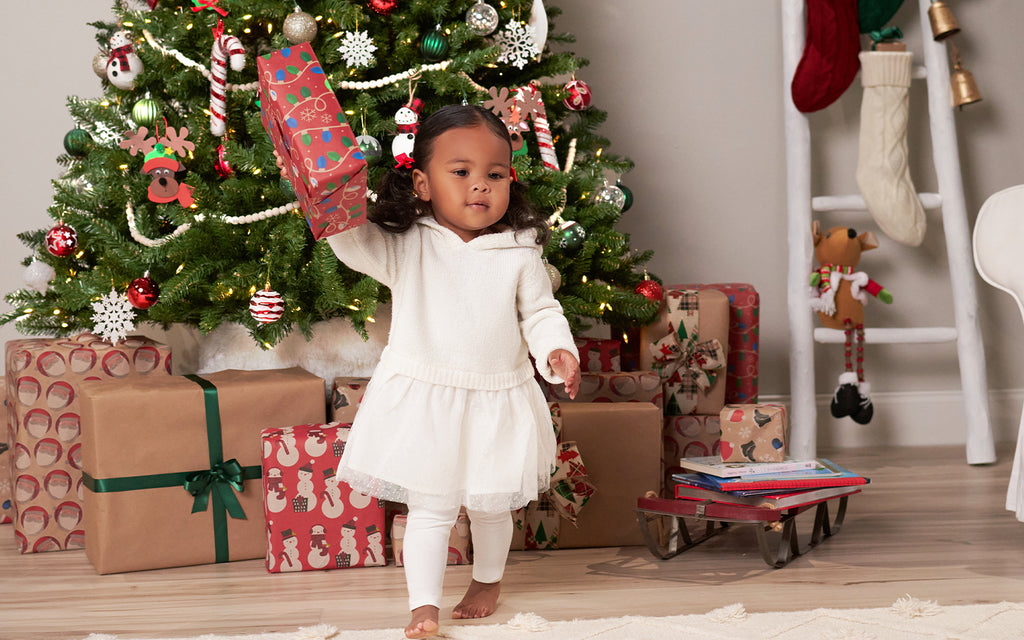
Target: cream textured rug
column 908, row 618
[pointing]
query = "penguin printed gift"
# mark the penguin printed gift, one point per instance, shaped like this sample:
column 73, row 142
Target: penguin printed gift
column 753, row 432
column 318, row 151
column 315, row 521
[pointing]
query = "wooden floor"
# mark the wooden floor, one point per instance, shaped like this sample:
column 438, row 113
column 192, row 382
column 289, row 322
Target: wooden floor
column 928, row 525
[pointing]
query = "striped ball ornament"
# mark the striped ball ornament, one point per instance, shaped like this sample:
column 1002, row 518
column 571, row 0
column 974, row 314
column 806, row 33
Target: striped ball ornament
column 266, row 306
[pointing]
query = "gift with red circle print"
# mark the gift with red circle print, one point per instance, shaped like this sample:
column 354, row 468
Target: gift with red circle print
column 317, row 147
column 314, row 520
column 43, row 391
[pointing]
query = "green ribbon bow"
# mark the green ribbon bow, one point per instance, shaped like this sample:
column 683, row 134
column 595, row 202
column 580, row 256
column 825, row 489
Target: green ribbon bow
column 888, row 33
column 222, row 477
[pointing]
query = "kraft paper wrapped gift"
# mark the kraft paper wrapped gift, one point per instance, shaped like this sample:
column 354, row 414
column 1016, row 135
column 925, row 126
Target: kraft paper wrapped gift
column 318, row 149
column 623, row 386
column 620, row 445
column 314, row 520
column 346, row 394
column 688, row 346
column 172, row 464
column 7, row 437
column 744, row 322
column 754, row 432
column 458, row 539
column 44, row 388
column 688, row 437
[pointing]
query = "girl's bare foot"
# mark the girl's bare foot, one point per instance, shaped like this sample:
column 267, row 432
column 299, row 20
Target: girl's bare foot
column 423, row 623
column 480, row 601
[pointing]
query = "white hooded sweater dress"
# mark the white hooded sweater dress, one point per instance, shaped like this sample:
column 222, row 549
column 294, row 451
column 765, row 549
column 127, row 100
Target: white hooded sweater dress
column 452, row 415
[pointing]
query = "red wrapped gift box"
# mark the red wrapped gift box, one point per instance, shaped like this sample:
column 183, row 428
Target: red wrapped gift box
column 44, row 378
column 599, row 355
column 321, row 157
column 314, row 521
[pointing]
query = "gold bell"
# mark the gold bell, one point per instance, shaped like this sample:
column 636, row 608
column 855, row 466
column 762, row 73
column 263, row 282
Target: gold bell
column 943, row 21
column 965, row 91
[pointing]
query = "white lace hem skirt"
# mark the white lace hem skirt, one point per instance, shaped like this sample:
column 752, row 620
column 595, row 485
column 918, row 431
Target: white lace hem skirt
column 441, row 447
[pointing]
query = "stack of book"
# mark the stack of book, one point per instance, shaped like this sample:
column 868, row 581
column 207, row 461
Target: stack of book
column 773, row 485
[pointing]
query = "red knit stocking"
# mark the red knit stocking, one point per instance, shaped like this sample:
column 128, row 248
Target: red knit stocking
column 829, row 63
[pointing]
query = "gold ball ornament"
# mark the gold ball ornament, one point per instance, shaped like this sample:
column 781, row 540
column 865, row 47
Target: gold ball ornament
column 299, row 27
column 553, row 275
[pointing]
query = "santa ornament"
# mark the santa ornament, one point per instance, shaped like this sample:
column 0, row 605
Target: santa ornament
column 408, row 120
column 123, row 65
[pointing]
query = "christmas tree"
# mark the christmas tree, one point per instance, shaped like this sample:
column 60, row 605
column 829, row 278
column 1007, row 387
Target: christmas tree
column 172, row 210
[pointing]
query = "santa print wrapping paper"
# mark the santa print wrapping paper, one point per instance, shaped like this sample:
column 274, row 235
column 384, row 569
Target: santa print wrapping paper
column 599, row 355
column 744, row 327
column 346, row 394
column 688, row 345
column 754, row 432
column 172, row 465
column 688, row 437
column 317, row 147
column 314, row 520
column 6, row 496
column 44, row 385
column 458, row 539
column 623, row 386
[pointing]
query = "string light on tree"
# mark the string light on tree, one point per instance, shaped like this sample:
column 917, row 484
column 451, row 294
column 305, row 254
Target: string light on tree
column 61, row 240
column 482, row 19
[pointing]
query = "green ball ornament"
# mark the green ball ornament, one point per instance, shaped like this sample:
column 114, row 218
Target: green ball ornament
column 626, row 192
column 77, row 142
column 434, row 46
column 571, row 235
column 145, row 112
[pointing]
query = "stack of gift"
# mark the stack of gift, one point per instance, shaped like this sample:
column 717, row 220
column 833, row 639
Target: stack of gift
column 6, row 496
column 45, row 385
column 172, row 469
column 314, row 520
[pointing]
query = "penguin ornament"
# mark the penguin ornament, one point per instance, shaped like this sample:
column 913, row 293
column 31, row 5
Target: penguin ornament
column 124, row 65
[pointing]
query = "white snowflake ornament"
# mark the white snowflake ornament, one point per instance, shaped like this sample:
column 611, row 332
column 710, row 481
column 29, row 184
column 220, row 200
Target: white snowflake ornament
column 518, row 44
column 113, row 317
column 357, row 49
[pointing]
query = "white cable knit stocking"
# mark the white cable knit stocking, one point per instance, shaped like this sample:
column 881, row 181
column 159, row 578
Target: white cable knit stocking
column 883, row 174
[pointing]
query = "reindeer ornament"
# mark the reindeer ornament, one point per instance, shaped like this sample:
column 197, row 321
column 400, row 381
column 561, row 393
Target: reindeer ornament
column 839, row 298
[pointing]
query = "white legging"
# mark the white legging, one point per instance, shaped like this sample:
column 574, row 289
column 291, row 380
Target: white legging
column 425, row 549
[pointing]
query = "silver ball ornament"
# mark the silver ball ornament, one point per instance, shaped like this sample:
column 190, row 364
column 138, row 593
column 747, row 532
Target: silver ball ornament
column 371, row 148
column 611, row 194
column 482, row 19
column 299, row 27
column 99, row 65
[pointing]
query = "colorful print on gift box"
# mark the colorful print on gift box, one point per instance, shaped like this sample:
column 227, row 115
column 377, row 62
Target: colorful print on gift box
column 346, row 394
column 43, row 378
column 315, row 521
column 754, row 432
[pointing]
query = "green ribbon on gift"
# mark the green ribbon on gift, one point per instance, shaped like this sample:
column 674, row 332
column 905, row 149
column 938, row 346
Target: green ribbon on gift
column 218, row 483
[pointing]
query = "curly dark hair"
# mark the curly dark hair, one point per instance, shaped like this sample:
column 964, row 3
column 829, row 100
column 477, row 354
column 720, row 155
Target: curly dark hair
column 397, row 205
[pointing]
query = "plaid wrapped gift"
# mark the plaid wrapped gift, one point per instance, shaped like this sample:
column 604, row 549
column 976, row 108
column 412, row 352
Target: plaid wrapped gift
column 688, row 366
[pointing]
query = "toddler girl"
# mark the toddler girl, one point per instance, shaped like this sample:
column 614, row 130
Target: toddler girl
column 452, row 415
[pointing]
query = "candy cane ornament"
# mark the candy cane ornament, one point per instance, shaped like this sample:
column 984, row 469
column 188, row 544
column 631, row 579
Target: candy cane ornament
column 545, row 142
column 226, row 47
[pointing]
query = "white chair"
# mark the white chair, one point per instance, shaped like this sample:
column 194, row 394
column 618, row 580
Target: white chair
column 998, row 232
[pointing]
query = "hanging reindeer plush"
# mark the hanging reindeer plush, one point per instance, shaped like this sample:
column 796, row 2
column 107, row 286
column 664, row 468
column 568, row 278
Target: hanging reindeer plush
column 839, row 298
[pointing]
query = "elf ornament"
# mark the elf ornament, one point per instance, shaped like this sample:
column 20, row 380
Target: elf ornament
column 408, row 120
column 123, row 65
column 883, row 173
column 61, row 240
column 829, row 61
column 839, row 298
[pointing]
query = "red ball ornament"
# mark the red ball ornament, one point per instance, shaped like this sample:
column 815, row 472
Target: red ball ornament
column 61, row 241
column 224, row 169
column 651, row 290
column 266, row 306
column 383, row 7
column 577, row 95
column 143, row 292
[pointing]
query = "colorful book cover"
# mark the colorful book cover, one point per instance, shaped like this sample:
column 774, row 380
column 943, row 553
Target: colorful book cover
column 713, row 465
column 776, row 499
column 845, row 477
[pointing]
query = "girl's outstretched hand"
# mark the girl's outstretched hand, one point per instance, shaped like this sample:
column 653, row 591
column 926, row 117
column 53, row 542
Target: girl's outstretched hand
column 568, row 368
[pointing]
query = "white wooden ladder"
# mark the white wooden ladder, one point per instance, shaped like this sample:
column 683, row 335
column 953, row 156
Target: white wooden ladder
column 950, row 199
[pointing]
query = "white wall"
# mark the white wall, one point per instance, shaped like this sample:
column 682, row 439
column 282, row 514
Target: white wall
column 694, row 92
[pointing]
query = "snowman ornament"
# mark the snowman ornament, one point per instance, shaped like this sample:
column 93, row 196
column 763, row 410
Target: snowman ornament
column 124, row 65
column 408, row 120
